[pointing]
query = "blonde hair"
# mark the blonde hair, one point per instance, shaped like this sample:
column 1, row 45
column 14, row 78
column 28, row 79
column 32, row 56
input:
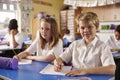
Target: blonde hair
column 54, row 33
column 88, row 17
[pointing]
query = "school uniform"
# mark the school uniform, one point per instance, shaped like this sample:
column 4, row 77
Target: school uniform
column 112, row 42
column 94, row 55
column 18, row 37
column 35, row 47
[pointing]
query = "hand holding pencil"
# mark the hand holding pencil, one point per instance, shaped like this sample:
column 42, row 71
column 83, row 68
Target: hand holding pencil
column 58, row 64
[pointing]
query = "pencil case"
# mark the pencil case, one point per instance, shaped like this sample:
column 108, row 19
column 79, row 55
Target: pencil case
column 8, row 63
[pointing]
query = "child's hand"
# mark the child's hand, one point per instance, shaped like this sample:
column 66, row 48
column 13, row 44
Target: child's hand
column 13, row 32
column 58, row 64
column 76, row 72
column 17, row 57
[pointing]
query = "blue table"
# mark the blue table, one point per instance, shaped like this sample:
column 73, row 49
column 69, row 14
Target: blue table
column 31, row 72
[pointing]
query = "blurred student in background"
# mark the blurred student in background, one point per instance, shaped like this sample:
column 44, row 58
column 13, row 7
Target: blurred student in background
column 13, row 39
column 88, row 55
column 67, row 38
column 114, row 41
column 47, row 45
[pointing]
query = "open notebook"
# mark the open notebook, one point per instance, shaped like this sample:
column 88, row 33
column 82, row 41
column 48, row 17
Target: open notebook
column 49, row 69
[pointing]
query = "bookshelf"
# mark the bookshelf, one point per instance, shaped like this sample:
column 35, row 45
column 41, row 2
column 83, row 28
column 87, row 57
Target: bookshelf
column 68, row 21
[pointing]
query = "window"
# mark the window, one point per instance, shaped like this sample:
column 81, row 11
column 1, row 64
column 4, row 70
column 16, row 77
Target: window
column 7, row 12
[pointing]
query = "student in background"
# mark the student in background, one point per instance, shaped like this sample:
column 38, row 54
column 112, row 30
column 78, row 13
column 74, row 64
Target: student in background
column 88, row 55
column 114, row 41
column 47, row 44
column 67, row 38
column 13, row 38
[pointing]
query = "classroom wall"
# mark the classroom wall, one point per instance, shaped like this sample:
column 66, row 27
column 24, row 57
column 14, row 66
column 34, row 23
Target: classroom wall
column 51, row 7
column 109, row 14
column 106, row 13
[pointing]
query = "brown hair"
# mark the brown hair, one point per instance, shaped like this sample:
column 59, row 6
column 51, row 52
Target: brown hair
column 54, row 33
column 88, row 17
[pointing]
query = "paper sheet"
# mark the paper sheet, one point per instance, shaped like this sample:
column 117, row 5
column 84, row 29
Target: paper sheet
column 112, row 78
column 24, row 61
column 49, row 69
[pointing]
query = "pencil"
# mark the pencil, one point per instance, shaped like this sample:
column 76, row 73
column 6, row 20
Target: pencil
column 55, row 57
column 14, row 52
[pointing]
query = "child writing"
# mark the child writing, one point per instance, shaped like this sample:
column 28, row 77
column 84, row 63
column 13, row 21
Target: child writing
column 47, row 44
column 89, row 55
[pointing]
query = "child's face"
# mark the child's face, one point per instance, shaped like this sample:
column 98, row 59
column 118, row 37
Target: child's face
column 117, row 35
column 87, row 30
column 45, row 30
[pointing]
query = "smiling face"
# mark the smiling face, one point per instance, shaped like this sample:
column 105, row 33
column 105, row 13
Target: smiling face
column 88, row 25
column 45, row 30
column 87, row 30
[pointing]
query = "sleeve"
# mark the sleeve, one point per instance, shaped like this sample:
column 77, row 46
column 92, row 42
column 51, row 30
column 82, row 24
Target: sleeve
column 33, row 47
column 57, row 49
column 106, row 56
column 20, row 40
column 6, row 38
column 67, row 55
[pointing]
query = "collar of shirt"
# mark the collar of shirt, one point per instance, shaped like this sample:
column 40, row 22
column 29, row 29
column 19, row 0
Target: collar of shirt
column 92, row 43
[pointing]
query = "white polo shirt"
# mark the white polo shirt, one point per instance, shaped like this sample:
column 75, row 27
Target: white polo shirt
column 94, row 55
column 35, row 47
column 18, row 37
column 112, row 42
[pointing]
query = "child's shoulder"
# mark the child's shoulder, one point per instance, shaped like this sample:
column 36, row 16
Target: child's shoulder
column 77, row 42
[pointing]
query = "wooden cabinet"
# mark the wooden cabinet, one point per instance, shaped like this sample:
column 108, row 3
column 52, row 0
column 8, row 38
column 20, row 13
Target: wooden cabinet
column 105, row 13
column 68, row 22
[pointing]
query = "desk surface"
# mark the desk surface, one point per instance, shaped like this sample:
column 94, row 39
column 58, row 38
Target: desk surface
column 31, row 72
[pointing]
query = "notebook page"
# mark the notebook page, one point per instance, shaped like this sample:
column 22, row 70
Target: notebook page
column 25, row 61
column 49, row 69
